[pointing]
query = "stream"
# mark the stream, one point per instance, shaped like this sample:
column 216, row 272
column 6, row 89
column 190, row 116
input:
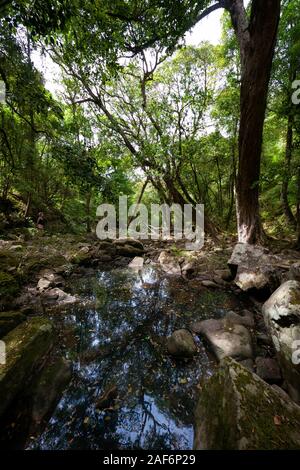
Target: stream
column 117, row 339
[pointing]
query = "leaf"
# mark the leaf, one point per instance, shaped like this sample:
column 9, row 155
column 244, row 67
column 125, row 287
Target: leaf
column 86, row 420
column 277, row 420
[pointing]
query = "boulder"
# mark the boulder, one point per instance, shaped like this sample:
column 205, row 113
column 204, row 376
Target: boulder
column 9, row 321
column 246, row 318
column 254, row 268
column 26, row 349
column 225, row 338
column 48, row 388
column 239, row 411
column 137, row 263
column 128, row 247
column 58, row 296
column 268, row 369
column 282, row 317
column 181, row 344
column 169, row 264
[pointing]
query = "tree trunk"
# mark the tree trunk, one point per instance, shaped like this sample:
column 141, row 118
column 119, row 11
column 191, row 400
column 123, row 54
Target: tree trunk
column 257, row 43
column 286, row 175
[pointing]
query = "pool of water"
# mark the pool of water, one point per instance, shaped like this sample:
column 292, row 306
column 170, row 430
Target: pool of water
column 117, row 340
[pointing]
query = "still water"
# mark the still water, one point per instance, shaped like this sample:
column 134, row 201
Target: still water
column 117, row 342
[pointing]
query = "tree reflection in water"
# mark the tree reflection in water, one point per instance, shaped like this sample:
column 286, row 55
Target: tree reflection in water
column 120, row 342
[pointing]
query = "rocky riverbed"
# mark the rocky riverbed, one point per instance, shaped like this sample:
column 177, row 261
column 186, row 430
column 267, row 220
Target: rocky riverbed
column 92, row 326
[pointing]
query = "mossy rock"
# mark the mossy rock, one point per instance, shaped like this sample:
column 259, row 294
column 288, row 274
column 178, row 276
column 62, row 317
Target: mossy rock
column 9, row 259
column 9, row 321
column 26, row 349
column 239, row 411
column 9, row 286
column 36, row 263
column 48, row 388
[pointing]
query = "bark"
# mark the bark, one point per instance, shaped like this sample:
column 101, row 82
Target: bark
column 257, row 43
column 286, row 175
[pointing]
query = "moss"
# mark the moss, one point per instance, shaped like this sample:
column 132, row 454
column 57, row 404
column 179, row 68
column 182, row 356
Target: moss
column 240, row 411
column 9, row 320
column 26, row 348
column 9, row 286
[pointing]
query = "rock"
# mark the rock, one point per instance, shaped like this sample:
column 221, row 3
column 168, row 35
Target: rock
column 48, row 388
column 189, row 269
column 210, row 284
column 254, row 268
column 238, row 411
column 9, row 321
column 57, row 295
column 294, row 272
column 128, row 247
column 248, row 364
column 224, row 274
column 268, row 370
column 26, row 349
column 169, row 263
column 246, row 318
column 82, row 257
column 181, row 344
column 225, row 338
column 282, row 317
column 137, row 263
column 43, row 284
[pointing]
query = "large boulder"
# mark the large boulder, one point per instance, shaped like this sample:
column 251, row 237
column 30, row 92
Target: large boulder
column 48, row 388
column 239, row 411
column 181, row 344
column 26, row 349
column 254, row 268
column 225, row 338
column 282, row 317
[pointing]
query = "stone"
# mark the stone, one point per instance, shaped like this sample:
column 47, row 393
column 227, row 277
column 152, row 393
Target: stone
column 137, row 263
column 225, row 338
column 248, row 363
column 9, row 321
column 294, row 272
column 210, row 284
column 254, row 268
column 246, row 318
column 268, row 369
column 181, row 344
column 282, row 317
column 237, row 410
column 57, row 295
column 26, row 348
column 169, row 264
column 43, row 284
column 224, row 274
column 128, row 247
column 48, row 388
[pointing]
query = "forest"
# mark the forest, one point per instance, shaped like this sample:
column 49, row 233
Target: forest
column 138, row 343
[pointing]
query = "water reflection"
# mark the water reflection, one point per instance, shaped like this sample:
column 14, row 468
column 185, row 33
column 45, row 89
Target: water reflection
column 119, row 342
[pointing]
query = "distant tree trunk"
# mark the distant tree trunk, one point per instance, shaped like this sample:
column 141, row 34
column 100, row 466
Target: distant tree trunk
column 298, row 209
column 257, row 40
column 286, row 175
column 88, row 211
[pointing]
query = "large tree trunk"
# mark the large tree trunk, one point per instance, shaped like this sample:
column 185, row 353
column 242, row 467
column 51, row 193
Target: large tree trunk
column 286, row 175
column 257, row 40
